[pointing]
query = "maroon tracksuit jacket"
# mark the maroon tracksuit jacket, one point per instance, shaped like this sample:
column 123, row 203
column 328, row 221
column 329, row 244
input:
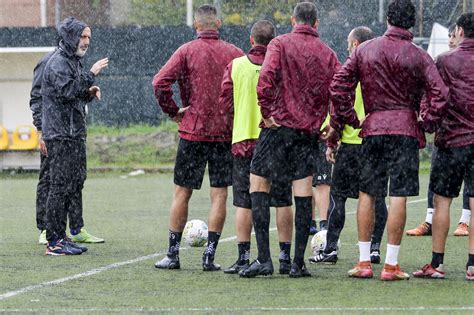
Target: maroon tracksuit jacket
column 394, row 74
column 198, row 67
column 294, row 80
column 456, row 67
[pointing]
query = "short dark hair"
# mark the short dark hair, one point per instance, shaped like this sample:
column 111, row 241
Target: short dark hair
column 401, row 13
column 452, row 28
column 466, row 21
column 362, row 34
column 263, row 32
column 207, row 15
column 305, row 13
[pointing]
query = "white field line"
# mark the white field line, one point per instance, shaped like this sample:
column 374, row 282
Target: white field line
column 259, row 309
column 92, row 272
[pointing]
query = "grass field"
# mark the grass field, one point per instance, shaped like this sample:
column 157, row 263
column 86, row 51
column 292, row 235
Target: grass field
column 119, row 276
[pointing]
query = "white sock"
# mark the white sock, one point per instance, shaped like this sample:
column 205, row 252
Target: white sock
column 392, row 254
column 465, row 216
column 364, row 251
column 429, row 215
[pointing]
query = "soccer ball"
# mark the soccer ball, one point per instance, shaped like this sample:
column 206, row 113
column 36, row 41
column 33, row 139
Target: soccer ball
column 195, row 233
column 318, row 242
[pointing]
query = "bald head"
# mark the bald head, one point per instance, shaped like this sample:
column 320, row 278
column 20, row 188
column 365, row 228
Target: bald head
column 205, row 18
column 262, row 32
column 359, row 35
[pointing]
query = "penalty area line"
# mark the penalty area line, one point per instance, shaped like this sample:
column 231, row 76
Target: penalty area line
column 93, row 272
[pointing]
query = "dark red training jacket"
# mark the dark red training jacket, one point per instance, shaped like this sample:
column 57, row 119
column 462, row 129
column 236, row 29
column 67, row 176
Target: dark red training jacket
column 294, row 80
column 456, row 67
column 394, row 74
column 198, row 67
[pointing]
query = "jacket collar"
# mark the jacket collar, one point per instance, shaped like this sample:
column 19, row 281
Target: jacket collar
column 208, row 34
column 399, row 32
column 467, row 43
column 305, row 29
column 258, row 50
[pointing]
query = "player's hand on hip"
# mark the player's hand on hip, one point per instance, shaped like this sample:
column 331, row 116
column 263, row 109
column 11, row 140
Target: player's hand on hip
column 331, row 155
column 99, row 66
column 270, row 123
column 180, row 114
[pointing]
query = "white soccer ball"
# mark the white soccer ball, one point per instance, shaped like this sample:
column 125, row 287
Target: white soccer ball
column 318, row 242
column 195, row 233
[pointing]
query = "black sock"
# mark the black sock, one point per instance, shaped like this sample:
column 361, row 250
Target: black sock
column 285, row 251
column 374, row 247
column 302, row 223
column 313, row 223
column 380, row 220
column 470, row 260
column 244, row 251
column 437, row 259
column 212, row 241
column 337, row 218
column 261, row 223
column 323, row 225
column 174, row 239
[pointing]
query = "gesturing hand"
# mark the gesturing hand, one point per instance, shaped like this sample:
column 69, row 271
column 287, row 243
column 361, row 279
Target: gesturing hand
column 99, row 66
column 95, row 91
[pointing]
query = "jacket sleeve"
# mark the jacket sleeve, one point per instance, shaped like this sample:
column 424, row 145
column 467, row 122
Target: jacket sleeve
column 226, row 98
column 163, row 81
column 270, row 75
column 342, row 91
column 36, row 101
column 433, row 106
column 68, row 86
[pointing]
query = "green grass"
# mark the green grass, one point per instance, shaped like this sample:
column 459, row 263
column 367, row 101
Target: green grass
column 136, row 146
column 132, row 215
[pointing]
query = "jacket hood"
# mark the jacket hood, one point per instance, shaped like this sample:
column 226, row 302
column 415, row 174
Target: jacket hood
column 70, row 32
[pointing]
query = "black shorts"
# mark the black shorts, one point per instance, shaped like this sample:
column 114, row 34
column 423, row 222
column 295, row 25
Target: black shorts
column 283, row 154
column 346, row 172
column 191, row 160
column 390, row 157
column 322, row 168
column 450, row 167
column 280, row 193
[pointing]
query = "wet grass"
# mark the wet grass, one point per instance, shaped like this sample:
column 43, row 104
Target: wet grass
column 132, row 215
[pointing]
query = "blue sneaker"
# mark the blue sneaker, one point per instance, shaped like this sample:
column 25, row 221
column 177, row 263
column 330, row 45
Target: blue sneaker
column 61, row 248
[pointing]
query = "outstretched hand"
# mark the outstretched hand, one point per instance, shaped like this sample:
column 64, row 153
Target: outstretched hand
column 99, row 66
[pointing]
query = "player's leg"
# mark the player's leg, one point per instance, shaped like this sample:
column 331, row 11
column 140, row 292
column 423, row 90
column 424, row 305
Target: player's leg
column 267, row 163
column 373, row 182
column 62, row 162
column 424, row 229
column 379, row 227
column 403, row 167
column 445, row 181
column 42, row 192
column 345, row 184
column 321, row 184
column 243, row 212
column 188, row 175
column 281, row 198
column 463, row 225
column 470, row 258
column 220, row 177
